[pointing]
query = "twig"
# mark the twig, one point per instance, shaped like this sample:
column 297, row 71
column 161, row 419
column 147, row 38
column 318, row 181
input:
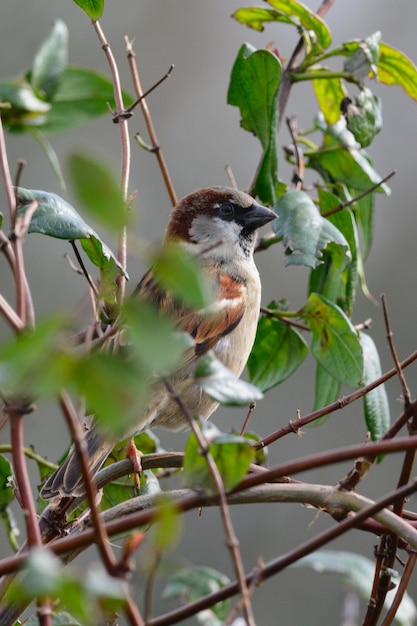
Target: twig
column 148, row 119
column 299, row 157
column 232, row 540
column 402, row 588
column 83, row 268
column 125, row 151
column 231, row 177
column 337, row 405
column 10, row 315
column 247, row 418
column 400, row 373
column 370, row 189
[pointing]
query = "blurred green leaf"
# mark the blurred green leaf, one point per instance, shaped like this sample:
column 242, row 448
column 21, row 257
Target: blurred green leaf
column 363, row 60
column 97, row 190
column 395, row 68
column 25, row 106
column 155, row 344
column 192, row 583
column 168, row 525
column 6, row 490
column 232, row 455
column 376, row 405
column 359, row 573
column 335, row 342
column 329, row 93
column 306, row 233
column 50, row 61
column 180, row 273
column 93, row 8
column 277, row 352
column 254, row 87
column 288, row 12
column 217, row 381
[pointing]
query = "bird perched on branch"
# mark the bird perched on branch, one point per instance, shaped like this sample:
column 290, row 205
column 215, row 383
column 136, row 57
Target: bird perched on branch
column 217, row 226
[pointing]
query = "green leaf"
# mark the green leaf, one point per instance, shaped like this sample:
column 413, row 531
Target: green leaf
column 93, row 8
column 254, row 88
column 341, row 162
column 154, row 343
column 288, row 12
column 376, row 405
column 57, row 218
column 192, row 583
column 306, row 233
column 98, row 190
column 358, row 572
column 50, row 61
column 277, row 352
column 25, row 106
column 301, row 15
column 363, row 60
column 327, row 390
column 395, row 68
column 232, row 455
column 329, row 93
column 335, row 342
column 27, row 362
column 179, row 272
column 218, row 382
column 168, row 525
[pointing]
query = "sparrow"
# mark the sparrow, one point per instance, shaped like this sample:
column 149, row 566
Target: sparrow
column 218, row 226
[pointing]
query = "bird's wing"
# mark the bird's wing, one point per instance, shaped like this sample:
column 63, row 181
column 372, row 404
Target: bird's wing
column 206, row 326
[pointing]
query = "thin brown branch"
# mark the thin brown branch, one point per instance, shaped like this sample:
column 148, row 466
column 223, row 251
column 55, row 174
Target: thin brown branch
column 16, row 416
column 400, row 373
column 298, row 176
column 125, row 151
column 231, row 538
column 370, row 189
column 156, row 148
column 335, row 406
column 10, row 314
column 401, row 590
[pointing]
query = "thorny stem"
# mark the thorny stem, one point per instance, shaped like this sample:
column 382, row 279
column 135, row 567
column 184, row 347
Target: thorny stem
column 232, row 540
column 125, row 152
column 156, row 148
column 335, row 406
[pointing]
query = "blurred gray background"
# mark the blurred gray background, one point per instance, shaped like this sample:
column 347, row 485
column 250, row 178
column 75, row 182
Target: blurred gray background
column 200, row 135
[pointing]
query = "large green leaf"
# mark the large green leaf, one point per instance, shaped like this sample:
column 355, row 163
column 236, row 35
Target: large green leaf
column 358, row 572
column 50, row 61
column 254, row 88
column 306, row 233
column 335, row 342
column 277, row 352
column 222, row 385
column 376, row 405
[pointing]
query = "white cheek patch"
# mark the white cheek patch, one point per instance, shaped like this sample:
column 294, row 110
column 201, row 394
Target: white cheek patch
column 206, row 229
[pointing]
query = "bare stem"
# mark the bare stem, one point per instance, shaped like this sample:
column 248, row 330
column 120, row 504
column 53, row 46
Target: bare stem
column 125, row 152
column 156, row 148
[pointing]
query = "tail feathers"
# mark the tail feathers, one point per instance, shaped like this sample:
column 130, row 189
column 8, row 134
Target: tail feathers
column 67, row 480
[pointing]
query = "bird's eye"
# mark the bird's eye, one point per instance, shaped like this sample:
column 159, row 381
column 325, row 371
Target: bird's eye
column 226, row 209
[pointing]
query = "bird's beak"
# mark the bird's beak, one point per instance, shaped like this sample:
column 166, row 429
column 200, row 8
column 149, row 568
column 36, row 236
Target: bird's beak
column 258, row 216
